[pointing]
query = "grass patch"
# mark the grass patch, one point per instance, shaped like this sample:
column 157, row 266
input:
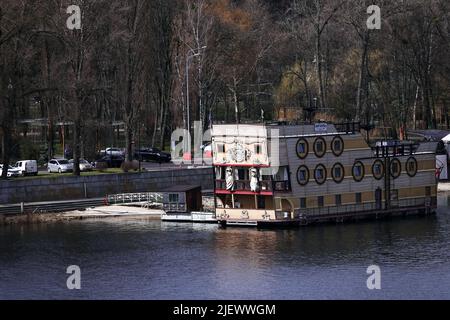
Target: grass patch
column 46, row 175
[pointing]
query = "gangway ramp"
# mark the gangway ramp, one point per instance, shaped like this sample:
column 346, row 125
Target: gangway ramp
column 142, row 198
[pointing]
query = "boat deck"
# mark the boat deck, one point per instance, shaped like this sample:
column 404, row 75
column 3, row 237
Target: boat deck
column 193, row 217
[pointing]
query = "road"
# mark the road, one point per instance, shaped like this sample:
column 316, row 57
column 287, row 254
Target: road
column 145, row 166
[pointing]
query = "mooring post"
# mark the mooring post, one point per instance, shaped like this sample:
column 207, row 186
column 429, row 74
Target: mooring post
column 21, row 208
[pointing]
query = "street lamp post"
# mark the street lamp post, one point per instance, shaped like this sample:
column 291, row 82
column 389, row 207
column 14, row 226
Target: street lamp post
column 139, row 153
column 191, row 54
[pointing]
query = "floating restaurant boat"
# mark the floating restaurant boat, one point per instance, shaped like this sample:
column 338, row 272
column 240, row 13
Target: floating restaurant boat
column 291, row 175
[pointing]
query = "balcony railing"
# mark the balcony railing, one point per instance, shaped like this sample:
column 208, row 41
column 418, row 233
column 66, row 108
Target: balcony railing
column 264, row 185
column 367, row 207
column 244, row 185
column 394, row 149
column 281, row 186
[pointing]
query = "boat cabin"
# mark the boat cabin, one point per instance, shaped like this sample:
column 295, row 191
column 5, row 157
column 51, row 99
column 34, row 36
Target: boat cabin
column 182, row 199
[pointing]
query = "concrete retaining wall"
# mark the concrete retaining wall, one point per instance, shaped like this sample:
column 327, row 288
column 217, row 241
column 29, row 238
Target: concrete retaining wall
column 71, row 188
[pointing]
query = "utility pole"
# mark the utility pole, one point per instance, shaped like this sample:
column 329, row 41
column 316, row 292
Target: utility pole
column 191, row 54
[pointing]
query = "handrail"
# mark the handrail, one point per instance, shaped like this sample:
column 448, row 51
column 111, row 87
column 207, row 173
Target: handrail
column 244, row 185
column 371, row 206
column 124, row 198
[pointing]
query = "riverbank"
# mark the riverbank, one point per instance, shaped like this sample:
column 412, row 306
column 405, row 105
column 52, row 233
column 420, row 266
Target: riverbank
column 107, row 212
column 65, row 188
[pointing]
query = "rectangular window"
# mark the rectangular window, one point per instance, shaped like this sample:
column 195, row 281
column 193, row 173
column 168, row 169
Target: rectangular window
column 282, row 174
column 301, row 147
column 377, row 169
column 337, row 145
column 319, row 147
column 338, row 199
column 337, row 172
column 303, row 203
column 320, row 201
column 258, row 149
column 319, row 174
column 174, row 197
column 221, row 148
column 358, row 197
column 394, row 167
column 302, row 175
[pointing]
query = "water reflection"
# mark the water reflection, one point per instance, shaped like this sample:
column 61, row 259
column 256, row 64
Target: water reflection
column 156, row 260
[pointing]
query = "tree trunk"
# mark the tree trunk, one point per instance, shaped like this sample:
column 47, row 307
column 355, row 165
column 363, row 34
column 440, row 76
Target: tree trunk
column 236, row 101
column 362, row 79
column 6, row 137
column 129, row 141
column 76, row 146
column 50, row 131
column 236, row 107
column 319, row 69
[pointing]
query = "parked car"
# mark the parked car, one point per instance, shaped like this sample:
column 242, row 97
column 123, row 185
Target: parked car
column 12, row 172
column 113, row 152
column 59, row 165
column 27, row 167
column 152, row 154
column 84, row 165
column 111, row 161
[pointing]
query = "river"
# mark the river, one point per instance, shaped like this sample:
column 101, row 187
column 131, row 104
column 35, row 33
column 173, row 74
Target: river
column 156, row 260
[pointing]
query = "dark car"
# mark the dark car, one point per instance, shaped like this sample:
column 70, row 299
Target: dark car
column 111, row 161
column 152, row 154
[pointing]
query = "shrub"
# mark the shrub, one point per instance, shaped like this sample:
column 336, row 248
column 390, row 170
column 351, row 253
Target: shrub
column 135, row 165
column 126, row 166
column 101, row 166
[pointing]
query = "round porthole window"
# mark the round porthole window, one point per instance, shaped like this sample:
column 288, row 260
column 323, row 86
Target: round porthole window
column 320, row 147
column 337, row 146
column 302, row 175
column 411, row 166
column 337, row 172
column 395, row 168
column 378, row 169
column 320, row 174
column 358, row 171
column 302, row 148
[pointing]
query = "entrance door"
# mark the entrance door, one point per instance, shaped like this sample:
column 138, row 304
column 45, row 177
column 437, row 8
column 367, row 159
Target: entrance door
column 378, row 198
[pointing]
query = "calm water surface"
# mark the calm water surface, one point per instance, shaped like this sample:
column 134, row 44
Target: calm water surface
column 155, row 260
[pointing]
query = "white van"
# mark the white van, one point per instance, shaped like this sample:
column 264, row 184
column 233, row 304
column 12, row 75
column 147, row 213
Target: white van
column 27, row 167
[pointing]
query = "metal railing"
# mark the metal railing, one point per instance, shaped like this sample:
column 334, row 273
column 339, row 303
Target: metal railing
column 264, row 185
column 281, row 186
column 395, row 150
column 50, row 207
column 244, row 185
column 365, row 207
column 128, row 198
column 348, row 127
column 174, row 207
